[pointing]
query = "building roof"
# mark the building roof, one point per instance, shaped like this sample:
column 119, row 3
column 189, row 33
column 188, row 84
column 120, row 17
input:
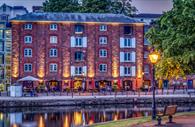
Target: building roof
column 15, row 7
column 75, row 17
column 147, row 15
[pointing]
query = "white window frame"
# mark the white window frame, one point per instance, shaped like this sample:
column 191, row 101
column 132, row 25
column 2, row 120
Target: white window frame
column 128, row 41
column 78, row 70
column 53, row 39
column 103, row 53
column 103, row 27
column 53, row 27
column 128, row 57
column 53, row 67
column 128, row 70
column 103, row 67
column 53, row 52
column 78, row 41
column 29, row 67
column 28, row 39
column 28, row 26
column 27, row 52
column 103, row 40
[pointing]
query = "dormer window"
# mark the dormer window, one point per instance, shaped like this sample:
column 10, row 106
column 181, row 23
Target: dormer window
column 28, row 26
column 79, row 29
column 53, row 26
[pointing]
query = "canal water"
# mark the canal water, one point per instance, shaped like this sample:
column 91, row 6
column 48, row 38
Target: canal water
column 75, row 116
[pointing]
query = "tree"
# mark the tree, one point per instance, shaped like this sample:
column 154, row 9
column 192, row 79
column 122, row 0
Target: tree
column 174, row 36
column 90, row 6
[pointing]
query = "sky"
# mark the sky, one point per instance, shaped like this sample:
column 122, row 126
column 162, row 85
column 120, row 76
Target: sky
column 143, row 6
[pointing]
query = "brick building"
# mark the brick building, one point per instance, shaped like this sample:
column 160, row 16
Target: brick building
column 78, row 49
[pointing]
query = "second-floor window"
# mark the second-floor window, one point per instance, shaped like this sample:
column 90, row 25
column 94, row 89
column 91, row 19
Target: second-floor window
column 127, row 42
column 78, row 70
column 27, row 67
column 103, row 53
column 103, row 67
column 53, row 52
column 78, row 41
column 127, row 57
column 79, row 28
column 127, row 71
column 103, row 40
column 79, row 56
column 53, row 26
column 53, row 67
column 27, row 52
column 28, row 39
column 28, row 26
column 53, row 39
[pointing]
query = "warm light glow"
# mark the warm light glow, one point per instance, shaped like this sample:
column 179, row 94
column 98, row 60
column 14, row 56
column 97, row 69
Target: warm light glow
column 115, row 72
column 41, row 81
column 139, row 73
column 14, row 125
column 41, row 122
column 77, row 118
column 15, row 65
column 115, row 117
column 154, row 57
column 41, row 67
column 91, row 122
column 1, row 116
column 66, row 123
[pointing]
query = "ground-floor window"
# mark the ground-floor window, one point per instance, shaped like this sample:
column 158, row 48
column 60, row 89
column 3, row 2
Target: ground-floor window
column 53, row 85
column 127, row 85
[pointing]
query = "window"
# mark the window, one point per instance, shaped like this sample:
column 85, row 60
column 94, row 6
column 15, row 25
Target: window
column 28, row 39
column 103, row 40
column 127, row 56
column 53, row 39
column 53, row 52
column 1, row 59
column 27, row 52
column 146, row 41
column 79, row 56
column 146, row 69
column 103, row 53
column 28, row 26
column 78, row 70
column 53, row 67
column 103, row 67
column 79, row 28
column 127, row 71
column 146, row 55
column 27, row 67
column 53, row 26
column 78, row 41
column 127, row 42
column 103, row 27
column 128, row 29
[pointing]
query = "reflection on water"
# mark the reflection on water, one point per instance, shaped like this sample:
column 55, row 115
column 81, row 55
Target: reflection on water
column 71, row 117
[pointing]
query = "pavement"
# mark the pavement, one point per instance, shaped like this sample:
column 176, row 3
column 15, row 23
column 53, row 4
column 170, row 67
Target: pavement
column 180, row 121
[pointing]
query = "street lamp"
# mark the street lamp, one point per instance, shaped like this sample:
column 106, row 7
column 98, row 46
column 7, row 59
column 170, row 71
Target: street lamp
column 153, row 57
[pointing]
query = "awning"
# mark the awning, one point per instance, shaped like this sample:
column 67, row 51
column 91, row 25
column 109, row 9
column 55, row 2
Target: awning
column 28, row 78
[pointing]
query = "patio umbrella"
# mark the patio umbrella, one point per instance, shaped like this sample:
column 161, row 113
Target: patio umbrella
column 28, row 78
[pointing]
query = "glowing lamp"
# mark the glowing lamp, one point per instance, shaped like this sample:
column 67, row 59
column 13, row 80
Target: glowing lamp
column 154, row 57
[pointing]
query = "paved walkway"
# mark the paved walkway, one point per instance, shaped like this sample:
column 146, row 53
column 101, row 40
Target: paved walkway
column 180, row 121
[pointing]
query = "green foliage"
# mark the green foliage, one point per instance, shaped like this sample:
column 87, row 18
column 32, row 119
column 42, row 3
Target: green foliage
column 90, row 6
column 174, row 36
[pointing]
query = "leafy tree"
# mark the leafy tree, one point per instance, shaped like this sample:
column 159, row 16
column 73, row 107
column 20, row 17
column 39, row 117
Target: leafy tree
column 90, row 6
column 174, row 36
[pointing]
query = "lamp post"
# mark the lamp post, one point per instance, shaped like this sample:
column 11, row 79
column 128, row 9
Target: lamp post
column 153, row 57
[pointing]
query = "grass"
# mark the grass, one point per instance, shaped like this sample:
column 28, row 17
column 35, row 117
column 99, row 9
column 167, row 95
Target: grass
column 134, row 121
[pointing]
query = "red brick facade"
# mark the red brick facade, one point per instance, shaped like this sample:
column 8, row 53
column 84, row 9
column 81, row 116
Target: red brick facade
column 41, row 45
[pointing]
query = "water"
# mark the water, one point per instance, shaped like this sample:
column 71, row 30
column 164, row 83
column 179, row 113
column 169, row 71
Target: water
column 75, row 116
